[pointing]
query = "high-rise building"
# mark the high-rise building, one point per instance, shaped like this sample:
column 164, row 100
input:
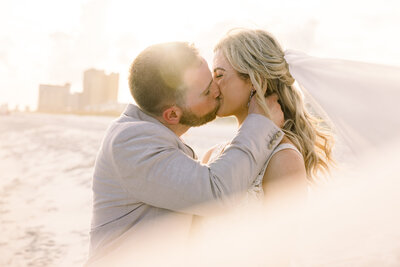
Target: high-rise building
column 99, row 89
column 99, row 96
column 53, row 98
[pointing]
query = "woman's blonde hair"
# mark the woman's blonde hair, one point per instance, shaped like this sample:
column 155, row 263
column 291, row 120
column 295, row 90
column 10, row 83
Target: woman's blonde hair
column 257, row 56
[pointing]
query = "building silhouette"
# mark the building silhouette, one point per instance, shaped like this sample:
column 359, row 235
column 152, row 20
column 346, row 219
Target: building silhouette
column 53, row 98
column 99, row 89
column 99, row 96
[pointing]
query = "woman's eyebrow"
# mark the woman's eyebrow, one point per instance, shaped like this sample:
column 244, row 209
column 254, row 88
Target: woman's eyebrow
column 219, row 68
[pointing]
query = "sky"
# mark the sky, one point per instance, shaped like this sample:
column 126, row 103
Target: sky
column 54, row 41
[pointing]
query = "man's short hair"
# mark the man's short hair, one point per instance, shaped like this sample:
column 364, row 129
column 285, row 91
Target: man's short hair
column 156, row 75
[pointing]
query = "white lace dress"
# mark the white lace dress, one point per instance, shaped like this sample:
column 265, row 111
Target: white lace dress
column 255, row 192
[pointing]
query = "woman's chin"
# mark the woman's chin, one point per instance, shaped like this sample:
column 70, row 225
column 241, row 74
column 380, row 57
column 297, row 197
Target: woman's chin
column 221, row 113
column 224, row 112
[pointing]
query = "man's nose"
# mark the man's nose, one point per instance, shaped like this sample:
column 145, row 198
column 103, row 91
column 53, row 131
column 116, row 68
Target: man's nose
column 215, row 90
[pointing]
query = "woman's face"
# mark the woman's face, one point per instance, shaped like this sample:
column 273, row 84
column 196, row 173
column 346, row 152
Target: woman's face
column 235, row 91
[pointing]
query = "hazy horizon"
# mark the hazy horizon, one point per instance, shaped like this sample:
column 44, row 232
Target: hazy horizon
column 46, row 42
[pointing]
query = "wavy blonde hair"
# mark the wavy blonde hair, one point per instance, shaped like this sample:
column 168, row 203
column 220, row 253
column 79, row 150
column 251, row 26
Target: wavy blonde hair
column 257, row 56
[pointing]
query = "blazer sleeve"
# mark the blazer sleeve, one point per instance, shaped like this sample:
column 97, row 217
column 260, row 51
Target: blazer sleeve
column 153, row 170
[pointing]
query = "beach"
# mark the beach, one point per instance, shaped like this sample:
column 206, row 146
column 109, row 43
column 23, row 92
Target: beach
column 47, row 161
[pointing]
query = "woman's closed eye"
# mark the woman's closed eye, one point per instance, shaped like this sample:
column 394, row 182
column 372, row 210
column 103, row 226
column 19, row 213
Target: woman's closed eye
column 218, row 75
column 218, row 72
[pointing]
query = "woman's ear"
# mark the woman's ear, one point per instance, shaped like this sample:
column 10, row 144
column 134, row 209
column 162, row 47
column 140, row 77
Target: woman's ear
column 172, row 115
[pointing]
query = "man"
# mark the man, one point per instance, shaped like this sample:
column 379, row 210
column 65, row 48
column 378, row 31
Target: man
column 144, row 173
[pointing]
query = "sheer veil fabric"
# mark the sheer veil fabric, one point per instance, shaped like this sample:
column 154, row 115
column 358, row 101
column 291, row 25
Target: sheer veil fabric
column 361, row 100
column 353, row 220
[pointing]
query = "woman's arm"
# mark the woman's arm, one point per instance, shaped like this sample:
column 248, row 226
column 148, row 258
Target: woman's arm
column 285, row 180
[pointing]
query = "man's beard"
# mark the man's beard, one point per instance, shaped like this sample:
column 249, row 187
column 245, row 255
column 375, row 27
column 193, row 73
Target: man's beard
column 190, row 119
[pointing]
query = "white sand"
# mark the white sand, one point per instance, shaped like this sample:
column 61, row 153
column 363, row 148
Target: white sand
column 46, row 164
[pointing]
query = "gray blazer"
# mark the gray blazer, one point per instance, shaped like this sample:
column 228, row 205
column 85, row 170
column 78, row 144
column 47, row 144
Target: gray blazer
column 143, row 171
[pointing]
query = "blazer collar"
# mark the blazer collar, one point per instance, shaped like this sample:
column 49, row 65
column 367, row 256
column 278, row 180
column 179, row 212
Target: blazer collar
column 135, row 112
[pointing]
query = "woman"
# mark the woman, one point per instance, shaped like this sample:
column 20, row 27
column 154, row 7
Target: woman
column 362, row 99
column 248, row 62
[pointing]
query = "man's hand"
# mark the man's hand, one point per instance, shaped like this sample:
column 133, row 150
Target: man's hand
column 275, row 111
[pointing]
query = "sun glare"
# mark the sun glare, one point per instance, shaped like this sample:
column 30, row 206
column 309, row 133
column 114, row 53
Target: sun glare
column 55, row 42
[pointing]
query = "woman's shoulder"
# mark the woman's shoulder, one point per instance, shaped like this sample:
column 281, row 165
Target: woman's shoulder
column 285, row 180
column 286, row 160
column 286, row 147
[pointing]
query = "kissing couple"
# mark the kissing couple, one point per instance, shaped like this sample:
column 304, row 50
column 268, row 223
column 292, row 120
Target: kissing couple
column 149, row 186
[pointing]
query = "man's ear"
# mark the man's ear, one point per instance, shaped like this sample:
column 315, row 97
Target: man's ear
column 172, row 115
